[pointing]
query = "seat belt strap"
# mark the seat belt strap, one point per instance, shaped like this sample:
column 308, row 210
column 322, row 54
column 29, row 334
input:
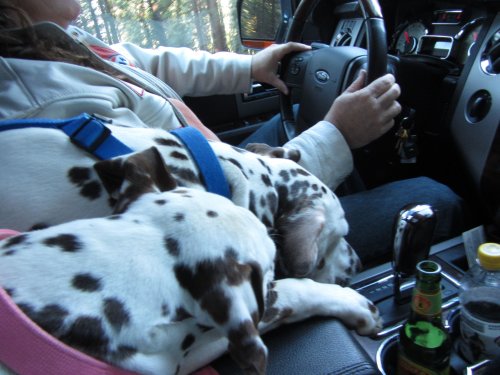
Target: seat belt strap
column 86, row 131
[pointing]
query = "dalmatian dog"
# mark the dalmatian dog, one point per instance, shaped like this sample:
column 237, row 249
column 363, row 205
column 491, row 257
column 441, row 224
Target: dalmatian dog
column 58, row 182
column 174, row 278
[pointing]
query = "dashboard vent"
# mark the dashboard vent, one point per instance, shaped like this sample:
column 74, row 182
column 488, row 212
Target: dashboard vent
column 490, row 59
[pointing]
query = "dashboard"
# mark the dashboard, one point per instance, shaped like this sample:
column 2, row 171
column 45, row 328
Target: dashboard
column 446, row 31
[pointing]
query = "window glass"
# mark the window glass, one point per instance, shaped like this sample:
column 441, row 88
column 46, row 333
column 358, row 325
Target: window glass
column 209, row 25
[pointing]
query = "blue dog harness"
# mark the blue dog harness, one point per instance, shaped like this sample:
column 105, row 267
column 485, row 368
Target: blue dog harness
column 91, row 134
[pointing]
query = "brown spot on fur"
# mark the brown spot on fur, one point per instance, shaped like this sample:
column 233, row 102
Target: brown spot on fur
column 67, row 242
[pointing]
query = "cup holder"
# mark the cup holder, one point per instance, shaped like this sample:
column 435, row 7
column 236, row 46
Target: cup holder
column 387, row 353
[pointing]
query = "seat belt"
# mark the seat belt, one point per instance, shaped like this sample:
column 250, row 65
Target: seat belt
column 91, row 134
column 86, row 131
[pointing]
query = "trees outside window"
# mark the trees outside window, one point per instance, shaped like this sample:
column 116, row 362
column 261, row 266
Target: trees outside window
column 209, row 25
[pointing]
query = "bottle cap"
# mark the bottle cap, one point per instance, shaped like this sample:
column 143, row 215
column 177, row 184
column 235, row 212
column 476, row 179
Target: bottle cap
column 489, row 256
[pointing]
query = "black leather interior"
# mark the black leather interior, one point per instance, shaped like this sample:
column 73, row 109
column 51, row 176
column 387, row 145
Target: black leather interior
column 315, row 346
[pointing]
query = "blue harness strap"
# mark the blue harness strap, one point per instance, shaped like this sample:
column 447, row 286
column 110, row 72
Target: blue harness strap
column 89, row 133
column 204, row 157
column 86, row 131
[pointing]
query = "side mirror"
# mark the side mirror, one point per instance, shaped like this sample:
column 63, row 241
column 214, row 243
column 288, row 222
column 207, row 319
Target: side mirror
column 262, row 23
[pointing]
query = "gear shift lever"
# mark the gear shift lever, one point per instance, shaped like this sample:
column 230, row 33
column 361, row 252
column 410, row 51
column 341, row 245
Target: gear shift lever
column 413, row 233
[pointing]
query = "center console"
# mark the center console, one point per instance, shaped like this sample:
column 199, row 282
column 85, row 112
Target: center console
column 377, row 284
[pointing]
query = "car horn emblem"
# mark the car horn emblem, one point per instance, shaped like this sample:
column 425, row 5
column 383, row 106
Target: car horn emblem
column 322, row 76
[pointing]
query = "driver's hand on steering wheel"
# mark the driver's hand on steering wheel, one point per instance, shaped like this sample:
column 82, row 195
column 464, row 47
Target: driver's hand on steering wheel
column 265, row 63
column 363, row 114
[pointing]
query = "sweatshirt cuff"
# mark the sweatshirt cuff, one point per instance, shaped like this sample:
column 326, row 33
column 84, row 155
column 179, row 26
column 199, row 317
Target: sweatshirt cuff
column 324, row 152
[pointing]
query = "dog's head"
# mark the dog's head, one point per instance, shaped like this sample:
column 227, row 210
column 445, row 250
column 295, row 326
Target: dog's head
column 310, row 236
column 311, row 225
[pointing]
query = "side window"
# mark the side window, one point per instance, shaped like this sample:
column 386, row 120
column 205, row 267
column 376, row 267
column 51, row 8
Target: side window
column 209, row 25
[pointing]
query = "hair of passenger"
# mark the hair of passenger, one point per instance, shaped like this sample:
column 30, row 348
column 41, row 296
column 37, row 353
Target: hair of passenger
column 25, row 44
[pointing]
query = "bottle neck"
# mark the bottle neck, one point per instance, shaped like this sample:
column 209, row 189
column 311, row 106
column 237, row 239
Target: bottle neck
column 426, row 301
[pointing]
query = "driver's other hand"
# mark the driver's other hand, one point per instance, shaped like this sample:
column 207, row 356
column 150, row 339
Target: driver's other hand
column 265, row 63
column 363, row 114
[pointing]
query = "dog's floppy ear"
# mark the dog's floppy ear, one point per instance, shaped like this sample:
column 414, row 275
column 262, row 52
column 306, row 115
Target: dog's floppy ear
column 299, row 230
column 274, row 152
column 127, row 178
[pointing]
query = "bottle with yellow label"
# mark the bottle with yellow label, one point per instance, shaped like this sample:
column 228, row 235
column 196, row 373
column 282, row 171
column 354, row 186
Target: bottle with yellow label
column 424, row 344
column 480, row 306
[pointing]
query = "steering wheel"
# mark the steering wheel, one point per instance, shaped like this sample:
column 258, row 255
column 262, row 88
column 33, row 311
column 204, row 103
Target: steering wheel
column 324, row 72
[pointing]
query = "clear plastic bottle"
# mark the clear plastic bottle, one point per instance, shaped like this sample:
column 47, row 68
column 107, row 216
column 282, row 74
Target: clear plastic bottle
column 480, row 306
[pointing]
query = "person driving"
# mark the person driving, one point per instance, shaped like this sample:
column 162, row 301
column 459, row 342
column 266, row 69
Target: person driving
column 52, row 69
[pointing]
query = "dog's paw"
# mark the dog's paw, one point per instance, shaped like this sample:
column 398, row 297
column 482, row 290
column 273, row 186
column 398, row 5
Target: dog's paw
column 361, row 314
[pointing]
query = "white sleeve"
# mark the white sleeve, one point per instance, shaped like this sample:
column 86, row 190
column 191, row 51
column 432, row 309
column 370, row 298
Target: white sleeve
column 195, row 73
column 324, row 152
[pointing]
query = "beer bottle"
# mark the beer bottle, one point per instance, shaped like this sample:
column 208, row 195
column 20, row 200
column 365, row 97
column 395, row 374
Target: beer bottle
column 424, row 344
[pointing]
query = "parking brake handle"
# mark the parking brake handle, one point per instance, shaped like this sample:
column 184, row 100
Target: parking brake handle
column 413, row 232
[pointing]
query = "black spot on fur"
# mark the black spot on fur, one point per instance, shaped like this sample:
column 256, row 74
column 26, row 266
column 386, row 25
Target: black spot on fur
column 39, row 226
column 51, row 318
column 114, row 217
column 181, row 314
column 266, row 221
column 67, row 242
column 211, row 213
column 10, row 292
column 87, row 334
column 299, row 187
column 179, row 217
column 342, row 281
column 266, row 180
column 323, row 189
column 188, row 341
column 240, row 150
column 173, row 246
column 160, row 202
column 91, row 190
column 272, row 201
column 251, row 203
column 79, row 175
column 185, row 174
column 178, row 155
column 315, row 187
column 265, row 166
column 116, row 313
column 9, row 252
column 16, row 240
column 27, row 309
column 167, row 142
column 285, row 176
column 86, row 282
column 238, row 165
column 303, row 172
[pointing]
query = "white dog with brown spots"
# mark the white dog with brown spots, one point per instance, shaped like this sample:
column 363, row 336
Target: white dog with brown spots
column 167, row 284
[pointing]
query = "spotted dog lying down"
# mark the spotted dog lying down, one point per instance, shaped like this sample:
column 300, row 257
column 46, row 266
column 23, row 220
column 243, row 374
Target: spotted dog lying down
column 57, row 182
column 167, row 284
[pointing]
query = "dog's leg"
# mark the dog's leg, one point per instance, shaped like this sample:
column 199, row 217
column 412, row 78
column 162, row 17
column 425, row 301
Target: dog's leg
column 293, row 300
